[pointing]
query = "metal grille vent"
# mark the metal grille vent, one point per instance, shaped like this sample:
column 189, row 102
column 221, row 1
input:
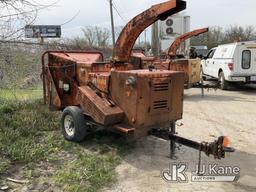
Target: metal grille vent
column 161, row 86
column 160, row 104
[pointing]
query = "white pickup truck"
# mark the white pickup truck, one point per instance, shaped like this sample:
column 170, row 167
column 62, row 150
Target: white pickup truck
column 235, row 62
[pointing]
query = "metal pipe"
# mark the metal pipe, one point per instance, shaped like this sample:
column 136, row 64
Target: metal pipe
column 43, row 75
column 172, row 142
column 184, row 141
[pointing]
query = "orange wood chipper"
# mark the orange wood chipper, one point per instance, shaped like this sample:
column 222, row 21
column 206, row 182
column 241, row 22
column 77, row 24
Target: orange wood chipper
column 171, row 61
column 191, row 67
column 118, row 95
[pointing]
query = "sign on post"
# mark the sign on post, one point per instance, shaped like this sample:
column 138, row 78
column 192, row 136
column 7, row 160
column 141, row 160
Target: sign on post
column 43, row 31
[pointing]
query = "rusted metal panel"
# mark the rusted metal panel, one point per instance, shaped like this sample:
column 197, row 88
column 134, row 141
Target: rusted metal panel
column 160, row 95
column 56, row 70
column 100, row 80
column 138, row 54
column 52, row 96
column 98, row 108
column 63, row 73
column 83, row 70
column 80, row 57
column 121, row 128
column 191, row 68
column 127, row 38
column 144, row 103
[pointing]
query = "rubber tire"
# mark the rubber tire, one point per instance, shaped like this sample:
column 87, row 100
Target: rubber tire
column 202, row 77
column 224, row 83
column 79, row 124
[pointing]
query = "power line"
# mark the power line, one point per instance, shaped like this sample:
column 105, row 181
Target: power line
column 71, row 19
column 123, row 7
column 113, row 5
column 117, row 11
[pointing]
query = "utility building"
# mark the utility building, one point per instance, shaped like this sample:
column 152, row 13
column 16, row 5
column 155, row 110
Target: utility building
column 165, row 32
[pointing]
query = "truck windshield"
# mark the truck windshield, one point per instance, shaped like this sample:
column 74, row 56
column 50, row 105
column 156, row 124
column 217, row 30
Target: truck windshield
column 211, row 53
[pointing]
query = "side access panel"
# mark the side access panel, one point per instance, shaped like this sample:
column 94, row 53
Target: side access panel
column 191, row 68
column 98, row 108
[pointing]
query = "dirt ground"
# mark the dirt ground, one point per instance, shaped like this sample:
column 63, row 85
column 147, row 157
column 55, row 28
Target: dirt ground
column 231, row 113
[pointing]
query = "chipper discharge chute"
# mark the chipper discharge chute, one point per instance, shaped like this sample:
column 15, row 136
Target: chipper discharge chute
column 115, row 95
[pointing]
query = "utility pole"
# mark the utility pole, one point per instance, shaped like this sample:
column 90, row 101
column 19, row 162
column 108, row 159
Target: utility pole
column 155, row 39
column 112, row 22
column 145, row 33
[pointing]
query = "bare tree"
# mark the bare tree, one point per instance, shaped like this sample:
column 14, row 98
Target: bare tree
column 237, row 33
column 96, row 36
column 89, row 36
column 15, row 14
column 102, row 36
column 217, row 36
column 250, row 33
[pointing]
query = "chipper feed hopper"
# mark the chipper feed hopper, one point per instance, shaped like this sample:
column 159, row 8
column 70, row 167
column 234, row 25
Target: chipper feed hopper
column 117, row 95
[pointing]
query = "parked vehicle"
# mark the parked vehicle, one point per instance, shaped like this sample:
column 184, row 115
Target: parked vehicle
column 231, row 63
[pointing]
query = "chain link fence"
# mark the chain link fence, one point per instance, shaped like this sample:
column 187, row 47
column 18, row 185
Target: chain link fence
column 20, row 70
column 20, row 67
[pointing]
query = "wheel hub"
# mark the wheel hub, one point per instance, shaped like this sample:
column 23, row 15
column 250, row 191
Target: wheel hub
column 69, row 125
column 221, row 80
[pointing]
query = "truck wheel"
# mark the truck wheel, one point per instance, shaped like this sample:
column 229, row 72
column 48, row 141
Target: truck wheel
column 202, row 77
column 73, row 124
column 223, row 82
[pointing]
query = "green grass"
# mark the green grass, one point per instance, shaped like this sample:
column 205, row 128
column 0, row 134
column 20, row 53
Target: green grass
column 29, row 133
column 87, row 173
column 23, row 131
column 21, row 94
column 4, row 164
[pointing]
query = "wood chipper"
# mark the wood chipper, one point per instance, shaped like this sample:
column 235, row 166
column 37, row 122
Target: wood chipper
column 171, row 61
column 191, row 67
column 118, row 95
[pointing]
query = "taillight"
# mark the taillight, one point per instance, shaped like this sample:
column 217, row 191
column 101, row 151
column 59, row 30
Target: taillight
column 231, row 66
column 226, row 142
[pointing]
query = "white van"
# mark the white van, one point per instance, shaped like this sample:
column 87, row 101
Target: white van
column 235, row 62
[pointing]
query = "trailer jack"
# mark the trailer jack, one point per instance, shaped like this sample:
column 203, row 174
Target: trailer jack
column 217, row 148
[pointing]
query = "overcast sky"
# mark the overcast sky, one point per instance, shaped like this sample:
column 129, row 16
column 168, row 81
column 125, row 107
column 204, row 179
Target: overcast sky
column 96, row 12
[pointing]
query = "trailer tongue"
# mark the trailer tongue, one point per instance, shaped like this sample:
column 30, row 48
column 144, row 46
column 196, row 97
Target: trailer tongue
column 117, row 95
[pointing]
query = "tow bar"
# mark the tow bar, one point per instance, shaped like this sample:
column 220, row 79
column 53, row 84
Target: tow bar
column 217, row 148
